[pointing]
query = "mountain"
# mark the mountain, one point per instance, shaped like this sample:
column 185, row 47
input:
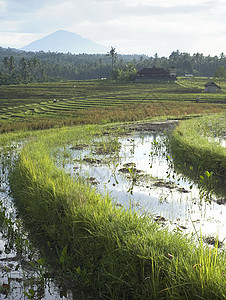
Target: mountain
column 65, row 41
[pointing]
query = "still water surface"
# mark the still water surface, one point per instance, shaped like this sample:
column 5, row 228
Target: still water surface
column 152, row 187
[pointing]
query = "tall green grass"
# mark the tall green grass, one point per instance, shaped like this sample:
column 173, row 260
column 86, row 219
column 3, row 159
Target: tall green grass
column 116, row 253
column 195, row 149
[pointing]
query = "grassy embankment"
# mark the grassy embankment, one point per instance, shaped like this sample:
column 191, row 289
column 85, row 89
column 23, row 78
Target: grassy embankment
column 116, row 253
column 31, row 106
column 197, row 151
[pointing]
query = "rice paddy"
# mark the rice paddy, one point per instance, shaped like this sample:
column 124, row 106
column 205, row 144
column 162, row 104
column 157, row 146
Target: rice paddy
column 29, row 101
column 107, row 250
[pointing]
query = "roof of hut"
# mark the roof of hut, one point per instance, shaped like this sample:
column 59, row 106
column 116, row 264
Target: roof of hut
column 154, row 71
column 212, row 84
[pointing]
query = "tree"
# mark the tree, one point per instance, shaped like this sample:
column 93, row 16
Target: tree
column 113, row 55
column 126, row 73
column 24, row 69
column 11, row 64
column 6, row 63
column 220, row 74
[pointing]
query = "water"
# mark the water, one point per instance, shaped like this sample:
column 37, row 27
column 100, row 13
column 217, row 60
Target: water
column 154, row 190
column 151, row 187
column 18, row 274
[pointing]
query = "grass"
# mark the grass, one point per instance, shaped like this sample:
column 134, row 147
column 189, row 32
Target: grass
column 195, row 149
column 117, row 253
column 99, row 101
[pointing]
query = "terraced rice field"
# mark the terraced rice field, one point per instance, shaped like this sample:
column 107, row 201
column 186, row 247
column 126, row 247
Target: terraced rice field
column 38, row 99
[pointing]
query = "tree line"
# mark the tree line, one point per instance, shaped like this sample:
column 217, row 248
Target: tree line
column 24, row 67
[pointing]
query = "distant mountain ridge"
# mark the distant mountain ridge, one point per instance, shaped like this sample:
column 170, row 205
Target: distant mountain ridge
column 65, row 41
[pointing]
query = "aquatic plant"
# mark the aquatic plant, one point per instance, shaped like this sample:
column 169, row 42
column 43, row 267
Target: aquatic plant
column 196, row 152
column 117, row 253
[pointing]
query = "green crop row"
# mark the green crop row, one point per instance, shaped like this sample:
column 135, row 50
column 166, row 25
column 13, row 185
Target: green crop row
column 196, row 147
column 67, row 105
column 116, row 253
column 28, row 103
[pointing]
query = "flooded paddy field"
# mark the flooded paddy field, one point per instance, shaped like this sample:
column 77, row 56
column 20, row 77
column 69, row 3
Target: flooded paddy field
column 23, row 271
column 139, row 175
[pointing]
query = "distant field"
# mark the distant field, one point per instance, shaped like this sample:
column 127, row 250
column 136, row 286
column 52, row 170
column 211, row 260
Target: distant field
column 34, row 103
column 109, row 251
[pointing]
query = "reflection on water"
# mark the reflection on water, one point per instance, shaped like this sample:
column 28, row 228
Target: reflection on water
column 219, row 140
column 139, row 179
column 19, row 277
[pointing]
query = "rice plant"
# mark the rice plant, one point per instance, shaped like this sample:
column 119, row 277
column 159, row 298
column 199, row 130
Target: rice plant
column 117, row 253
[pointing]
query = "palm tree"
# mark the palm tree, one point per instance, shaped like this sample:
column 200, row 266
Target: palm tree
column 113, row 55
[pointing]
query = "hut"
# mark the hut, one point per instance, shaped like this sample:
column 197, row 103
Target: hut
column 155, row 74
column 211, row 87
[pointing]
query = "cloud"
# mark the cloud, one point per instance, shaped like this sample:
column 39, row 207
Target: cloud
column 37, row 15
column 16, row 40
column 150, row 25
column 28, row 5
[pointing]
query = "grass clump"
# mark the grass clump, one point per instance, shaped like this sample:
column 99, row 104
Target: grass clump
column 117, row 253
column 196, row 148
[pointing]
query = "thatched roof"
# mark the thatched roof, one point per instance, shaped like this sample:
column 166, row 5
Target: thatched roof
column 149, row 72
column 212, row 84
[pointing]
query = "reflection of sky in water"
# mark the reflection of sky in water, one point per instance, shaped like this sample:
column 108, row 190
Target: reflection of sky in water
column 220, row 140
column 14, row 268
column 180, row 208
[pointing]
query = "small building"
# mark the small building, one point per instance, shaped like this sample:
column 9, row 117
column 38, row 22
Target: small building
column 155, row 74
column 211, row 87
column 189, row 75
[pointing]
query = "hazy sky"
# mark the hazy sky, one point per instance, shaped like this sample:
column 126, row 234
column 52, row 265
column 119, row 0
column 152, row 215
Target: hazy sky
column 132, row 26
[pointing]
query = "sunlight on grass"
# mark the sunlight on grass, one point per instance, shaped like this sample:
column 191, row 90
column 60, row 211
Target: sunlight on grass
column 114, row 251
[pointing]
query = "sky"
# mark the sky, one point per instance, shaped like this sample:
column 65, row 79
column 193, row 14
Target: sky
column 131, row 26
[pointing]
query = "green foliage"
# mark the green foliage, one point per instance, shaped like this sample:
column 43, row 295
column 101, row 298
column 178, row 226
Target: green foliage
column 195, row 145
column 127, row 73
column 113, row 56
column 22, row 67
column 220, row 73
column 118, row 253
column 30, row 294
column 23, row 71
